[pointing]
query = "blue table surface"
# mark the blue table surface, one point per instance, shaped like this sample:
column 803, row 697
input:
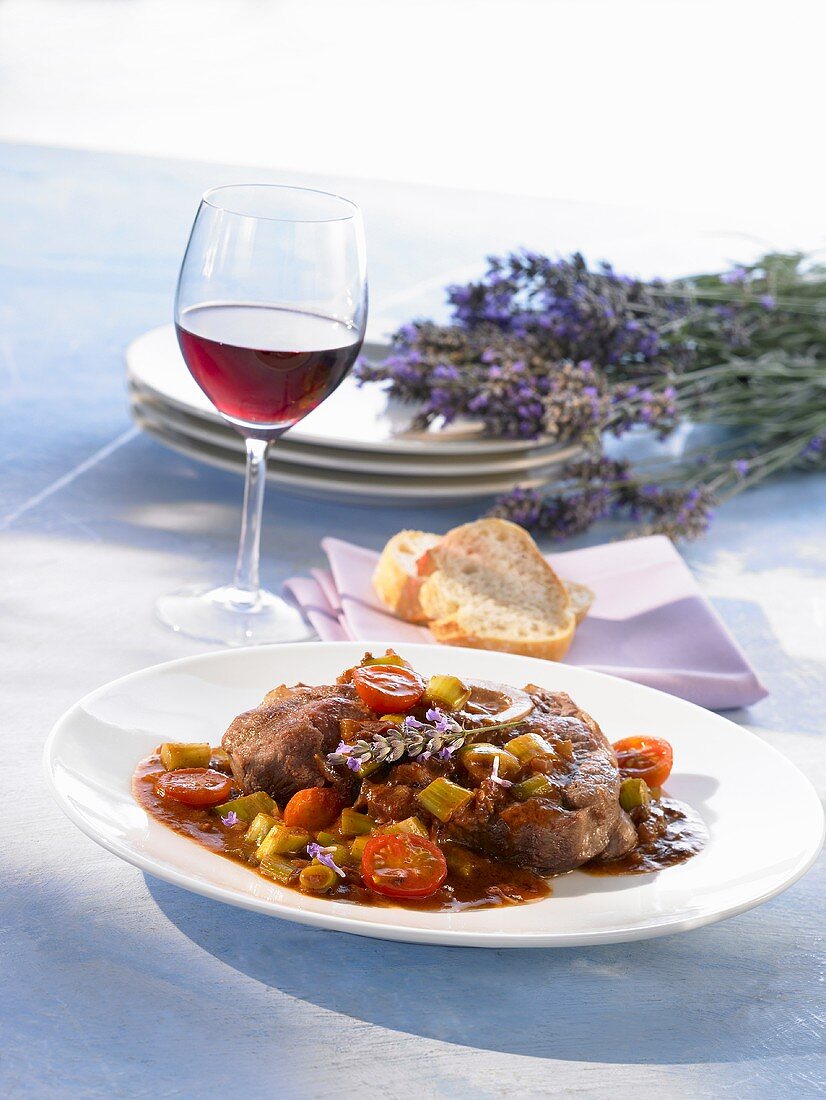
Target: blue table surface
column 117, row 984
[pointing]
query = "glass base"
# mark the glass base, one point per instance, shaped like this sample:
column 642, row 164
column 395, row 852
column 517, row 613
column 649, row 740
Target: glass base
column 233, row 617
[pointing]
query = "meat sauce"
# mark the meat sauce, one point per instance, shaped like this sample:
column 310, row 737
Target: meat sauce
column 668, row 832
column 484, row 883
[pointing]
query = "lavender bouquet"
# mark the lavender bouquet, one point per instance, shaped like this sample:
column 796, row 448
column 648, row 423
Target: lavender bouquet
column 542, row 347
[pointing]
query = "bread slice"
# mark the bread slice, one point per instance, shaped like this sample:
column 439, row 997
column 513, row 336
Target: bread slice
column 580, row 597
column 490, row 588
column 396, row 579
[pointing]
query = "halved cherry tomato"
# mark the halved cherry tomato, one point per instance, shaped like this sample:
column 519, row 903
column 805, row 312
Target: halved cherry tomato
column 313, row 808
column 195, row 786
column 388, row 689
column 403, row 866
column 648, row 758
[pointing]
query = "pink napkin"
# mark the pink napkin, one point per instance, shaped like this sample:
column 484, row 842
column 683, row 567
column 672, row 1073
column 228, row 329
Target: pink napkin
column 649, row 622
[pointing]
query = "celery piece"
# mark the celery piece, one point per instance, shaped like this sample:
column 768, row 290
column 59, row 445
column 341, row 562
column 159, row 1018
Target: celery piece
column 325, row 838
column 447, row 692
column 248, row 807
column 529, row 745
column 357, row 847
column 340, row 853
column 442, row 799
column 261, row 825
column 354, row 824
column 538, row 786
column 633, row 793
column 481, row 754
column 280, row 840
column 275, row 866
column 388, row 659
column 411, row 825
column 368, row 769
column 317, row 879
column 179, row 754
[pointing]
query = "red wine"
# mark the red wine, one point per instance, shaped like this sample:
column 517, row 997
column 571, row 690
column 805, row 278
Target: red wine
column 263, row 367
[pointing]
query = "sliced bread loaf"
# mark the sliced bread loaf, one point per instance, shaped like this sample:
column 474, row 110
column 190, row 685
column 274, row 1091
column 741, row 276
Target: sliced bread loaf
column 490, row 588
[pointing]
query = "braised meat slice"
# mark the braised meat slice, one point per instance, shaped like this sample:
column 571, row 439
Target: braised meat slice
column 281, row 746
column 580, row 819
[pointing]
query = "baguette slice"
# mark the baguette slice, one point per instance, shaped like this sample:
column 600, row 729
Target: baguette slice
column 581, row 597
column 396, row 579
column 490, row 588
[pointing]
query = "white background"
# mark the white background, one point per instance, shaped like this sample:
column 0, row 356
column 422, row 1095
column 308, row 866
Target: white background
column 711, row 107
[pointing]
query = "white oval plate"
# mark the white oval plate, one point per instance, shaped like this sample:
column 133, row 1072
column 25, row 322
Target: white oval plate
column 727, row 774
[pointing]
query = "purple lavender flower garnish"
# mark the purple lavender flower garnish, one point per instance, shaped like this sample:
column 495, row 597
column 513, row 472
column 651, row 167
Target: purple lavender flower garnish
column 496, row 777
column 231, row 818
column 438, row 719
column 316, row 851
column 438, row 735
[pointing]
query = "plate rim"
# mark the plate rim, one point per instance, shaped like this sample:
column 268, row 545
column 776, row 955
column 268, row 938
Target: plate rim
column 349, row 460
column 443, row 937
column 323, row 481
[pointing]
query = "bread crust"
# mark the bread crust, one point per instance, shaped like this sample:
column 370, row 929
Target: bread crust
column 552, row 648
column 395, row 584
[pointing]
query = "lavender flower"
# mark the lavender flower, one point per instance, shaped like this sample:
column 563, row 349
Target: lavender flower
column 541, row 347
column 438, row 719
column 534, row 349
column 734, row 277
column 316, row 851
column 231, row 818
column 815, row 447
column 496, row 777
column 601, row 488
column 439, row 736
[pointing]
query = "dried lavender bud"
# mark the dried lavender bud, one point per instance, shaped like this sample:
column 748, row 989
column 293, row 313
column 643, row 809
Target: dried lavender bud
column 440, row 736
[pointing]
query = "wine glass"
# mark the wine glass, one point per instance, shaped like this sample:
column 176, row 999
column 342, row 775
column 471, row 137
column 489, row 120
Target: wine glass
column 270, row 313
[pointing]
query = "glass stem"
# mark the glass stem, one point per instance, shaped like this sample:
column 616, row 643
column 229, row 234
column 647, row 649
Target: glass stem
column 246, row 565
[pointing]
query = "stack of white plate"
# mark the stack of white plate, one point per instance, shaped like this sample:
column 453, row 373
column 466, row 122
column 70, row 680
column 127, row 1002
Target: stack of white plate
column 357, row 444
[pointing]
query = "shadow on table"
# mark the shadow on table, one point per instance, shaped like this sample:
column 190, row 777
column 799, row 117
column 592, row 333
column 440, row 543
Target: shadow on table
column 707, row 996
